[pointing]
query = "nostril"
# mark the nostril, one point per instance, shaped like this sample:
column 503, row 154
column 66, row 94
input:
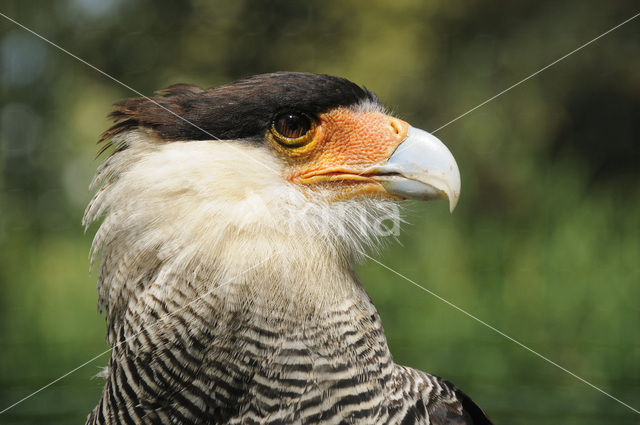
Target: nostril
column 395, row 127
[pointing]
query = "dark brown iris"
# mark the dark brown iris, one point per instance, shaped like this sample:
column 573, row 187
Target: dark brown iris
column 292, row 125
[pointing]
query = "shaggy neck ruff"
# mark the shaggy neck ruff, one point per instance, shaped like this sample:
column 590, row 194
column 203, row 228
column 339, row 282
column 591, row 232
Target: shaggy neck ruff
column 221, row 212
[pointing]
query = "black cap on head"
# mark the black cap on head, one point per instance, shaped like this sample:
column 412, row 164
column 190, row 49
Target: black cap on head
column 238, row 110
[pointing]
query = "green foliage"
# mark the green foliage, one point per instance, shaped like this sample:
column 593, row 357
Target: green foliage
column 544, row 244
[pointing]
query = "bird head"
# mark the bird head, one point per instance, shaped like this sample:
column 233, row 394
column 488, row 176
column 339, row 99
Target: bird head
column 359, row 150
column 325, row 132
column 294, row 164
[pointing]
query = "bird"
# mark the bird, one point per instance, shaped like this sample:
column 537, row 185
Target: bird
column 230, row 222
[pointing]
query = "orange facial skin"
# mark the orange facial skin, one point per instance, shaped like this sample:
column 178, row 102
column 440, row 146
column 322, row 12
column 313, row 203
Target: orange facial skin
column 341, row 146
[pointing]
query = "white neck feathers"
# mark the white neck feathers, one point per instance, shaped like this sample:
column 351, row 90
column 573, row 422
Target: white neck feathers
column 221, row 211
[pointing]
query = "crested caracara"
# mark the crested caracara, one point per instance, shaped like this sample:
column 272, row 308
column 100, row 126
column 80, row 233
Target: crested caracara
column 231, row 222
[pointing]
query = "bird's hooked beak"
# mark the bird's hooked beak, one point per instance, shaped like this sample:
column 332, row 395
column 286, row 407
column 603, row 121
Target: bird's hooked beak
column 421, row 168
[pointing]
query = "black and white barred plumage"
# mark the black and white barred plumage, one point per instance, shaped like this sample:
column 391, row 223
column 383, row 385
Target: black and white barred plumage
column 229, row 296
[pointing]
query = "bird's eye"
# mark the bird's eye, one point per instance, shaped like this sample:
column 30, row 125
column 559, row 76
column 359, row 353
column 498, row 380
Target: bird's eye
column 291, row 128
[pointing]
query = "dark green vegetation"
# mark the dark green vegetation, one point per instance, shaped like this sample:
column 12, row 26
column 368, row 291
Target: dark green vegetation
column 544, row 245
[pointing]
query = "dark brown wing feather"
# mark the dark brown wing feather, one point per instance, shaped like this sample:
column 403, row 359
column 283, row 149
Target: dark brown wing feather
column 446, row 412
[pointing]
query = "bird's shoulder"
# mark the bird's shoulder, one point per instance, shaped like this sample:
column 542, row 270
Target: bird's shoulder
column 439, row 400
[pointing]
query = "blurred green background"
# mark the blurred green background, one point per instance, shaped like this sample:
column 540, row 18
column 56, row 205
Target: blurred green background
column 544, row 245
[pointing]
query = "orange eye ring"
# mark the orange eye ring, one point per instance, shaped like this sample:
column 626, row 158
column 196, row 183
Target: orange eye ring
column 292, row 129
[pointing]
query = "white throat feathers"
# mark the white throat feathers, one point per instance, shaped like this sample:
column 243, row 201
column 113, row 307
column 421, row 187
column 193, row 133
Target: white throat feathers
column 222, row 213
